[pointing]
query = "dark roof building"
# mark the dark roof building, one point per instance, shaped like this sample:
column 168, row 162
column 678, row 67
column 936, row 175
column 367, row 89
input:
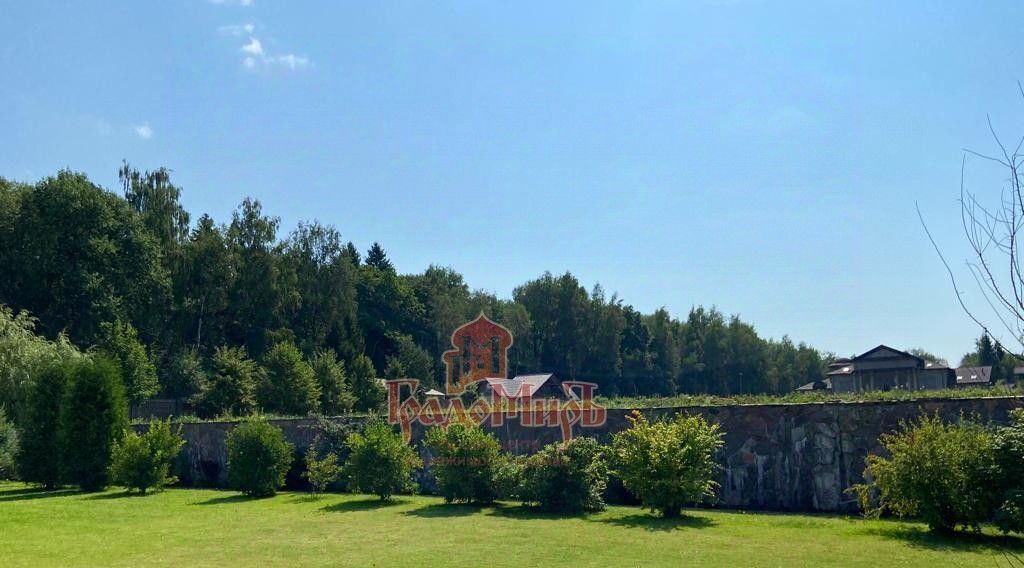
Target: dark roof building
column 885, row 368
column 974, row 376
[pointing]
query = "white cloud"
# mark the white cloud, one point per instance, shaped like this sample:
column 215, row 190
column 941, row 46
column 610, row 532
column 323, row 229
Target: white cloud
column 236, row 30
column 245, row 3
column 249, row 63
column 254, row 47
column 143, row 131
column 290, row 61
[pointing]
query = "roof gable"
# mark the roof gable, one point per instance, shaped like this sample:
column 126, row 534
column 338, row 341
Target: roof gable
column 886, row 352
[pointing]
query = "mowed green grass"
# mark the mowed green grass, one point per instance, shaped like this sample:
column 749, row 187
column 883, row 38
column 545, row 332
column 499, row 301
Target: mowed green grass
column 183, row 527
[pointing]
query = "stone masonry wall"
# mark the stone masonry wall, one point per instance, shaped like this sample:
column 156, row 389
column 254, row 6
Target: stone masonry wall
column 780, row 457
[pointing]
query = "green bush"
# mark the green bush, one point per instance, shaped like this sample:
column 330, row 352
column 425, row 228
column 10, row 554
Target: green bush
column 321, row 473
column 380, row 462
column 508, row 476
column 39, row 457
column 144, row 462
column 24, row 357
column 258, row 457
column 566, row 477
column 944, row 474
column 667, row 464
column 288, row 385
column 369, row 393
column 464, row 462
column 229, row 386
column 8, row 446
column 335, row 396
column 93, row 417
column 1009, row 452
column 120, row 341
column 1010, row 515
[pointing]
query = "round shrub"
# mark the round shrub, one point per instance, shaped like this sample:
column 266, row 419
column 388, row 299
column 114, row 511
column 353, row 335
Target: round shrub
column 667, row 464
column 944, row 474
column 144, row 462
column 320, row 472
column 566, row 477
column 380, row 462
column 465, row 460
column 93, row 417
column 258, row 457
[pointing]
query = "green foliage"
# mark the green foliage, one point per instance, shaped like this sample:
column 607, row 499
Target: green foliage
column 321, row 473
column 370, row 394
column 1009, row 454
column 464, row 461
column 335, row 395
column 80, row 256
column 289, row 385
column 144, row 462
column 258, row 457
column 380, row 462
column 566, row 477
column 23, row 357
column 93, row 417
column 667, row 464
column 39, row 457
column 8, row 446
column 229, row 386
column 184, row 375
column 121, row 342
column 944, row 474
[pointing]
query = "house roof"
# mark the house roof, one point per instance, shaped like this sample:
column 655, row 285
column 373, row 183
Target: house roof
column 1018, row 370
column 870, row 354
column 844, row 370
column 520, row 386
column 973, row 375
column 816, row 385
column 433, row 392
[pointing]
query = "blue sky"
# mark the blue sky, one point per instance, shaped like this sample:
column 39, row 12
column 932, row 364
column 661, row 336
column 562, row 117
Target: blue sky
column 761, row 157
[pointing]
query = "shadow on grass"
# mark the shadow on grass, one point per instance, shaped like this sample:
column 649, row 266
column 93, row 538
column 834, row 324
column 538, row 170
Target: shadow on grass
column 527, row 512
column 118, row 495
column 655, row 523
column 29, row 493
column 919, row 537
column 228, row 499
column 446, row 510
column 362, row 505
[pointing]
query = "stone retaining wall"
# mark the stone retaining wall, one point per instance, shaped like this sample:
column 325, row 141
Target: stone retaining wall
column 780, row 457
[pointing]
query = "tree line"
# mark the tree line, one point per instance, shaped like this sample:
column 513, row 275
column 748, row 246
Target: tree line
column 179, row 300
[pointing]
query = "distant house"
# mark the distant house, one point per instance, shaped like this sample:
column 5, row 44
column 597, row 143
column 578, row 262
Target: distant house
column 544, row 385
column 974, row 377
column 884, row 368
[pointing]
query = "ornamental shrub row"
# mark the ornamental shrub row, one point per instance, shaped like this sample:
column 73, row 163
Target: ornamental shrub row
column 666, row 464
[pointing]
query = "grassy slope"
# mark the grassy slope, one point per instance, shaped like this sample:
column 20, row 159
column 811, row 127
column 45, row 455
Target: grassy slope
column 182, row 527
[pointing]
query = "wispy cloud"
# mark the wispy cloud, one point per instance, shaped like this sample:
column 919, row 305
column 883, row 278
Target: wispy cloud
column 255, row 57
column 143, row 131
column 245, row 3
column 290, row 61
column 236, row 30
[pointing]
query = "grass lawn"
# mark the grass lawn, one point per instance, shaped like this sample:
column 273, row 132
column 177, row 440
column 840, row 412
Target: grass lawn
column 183, row 527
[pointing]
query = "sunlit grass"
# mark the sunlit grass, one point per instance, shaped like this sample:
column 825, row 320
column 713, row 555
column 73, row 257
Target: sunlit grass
column 184, row 527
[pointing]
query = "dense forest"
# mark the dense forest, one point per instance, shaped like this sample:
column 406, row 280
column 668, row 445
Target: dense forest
column 105, row 268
